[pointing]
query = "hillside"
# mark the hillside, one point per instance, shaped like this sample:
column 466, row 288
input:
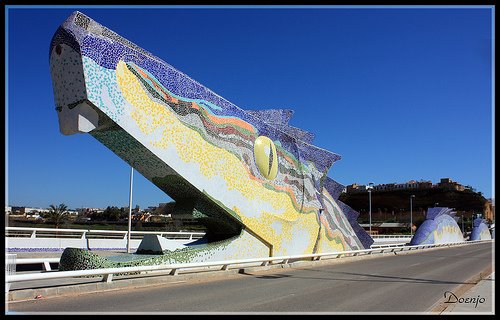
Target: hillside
column 398, row 201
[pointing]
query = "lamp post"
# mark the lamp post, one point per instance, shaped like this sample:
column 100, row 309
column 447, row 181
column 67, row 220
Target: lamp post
column 369, row 188
column 130, row 209
column 463, row 230
column 472, row 223
column 411, row 213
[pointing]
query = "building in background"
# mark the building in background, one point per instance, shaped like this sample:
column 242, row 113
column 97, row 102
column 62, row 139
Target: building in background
column 444, row 183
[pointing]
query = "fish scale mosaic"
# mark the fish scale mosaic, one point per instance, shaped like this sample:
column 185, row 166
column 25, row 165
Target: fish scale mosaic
column 480, row 230
column 440, row 226
column 258, row 184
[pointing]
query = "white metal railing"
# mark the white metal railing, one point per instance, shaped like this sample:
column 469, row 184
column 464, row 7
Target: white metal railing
column 10, row 268
column 107, row 273
column 85, row 233
column 391, row 236
column 44, row 261
column 375, row 246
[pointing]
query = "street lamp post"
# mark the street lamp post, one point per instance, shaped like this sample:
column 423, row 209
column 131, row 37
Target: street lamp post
column 411, row 213
column 463, row 229
column 472, row 223
column 369, row 188
column 130, row 209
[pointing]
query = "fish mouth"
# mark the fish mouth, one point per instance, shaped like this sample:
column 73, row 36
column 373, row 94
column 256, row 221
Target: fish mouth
column 77, row 117
column 75, row 112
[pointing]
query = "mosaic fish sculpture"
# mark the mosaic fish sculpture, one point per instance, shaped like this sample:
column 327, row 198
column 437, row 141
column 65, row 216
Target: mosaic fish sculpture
column 480, row 230
column 440, row 226
column 258, row 184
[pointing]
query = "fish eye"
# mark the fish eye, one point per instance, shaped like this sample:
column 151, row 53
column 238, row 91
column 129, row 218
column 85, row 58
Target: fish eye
column 266, row 157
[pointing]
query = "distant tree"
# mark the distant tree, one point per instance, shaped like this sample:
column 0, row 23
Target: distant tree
column 138, row 226
column 112, row 214
column 123, row 213
column 97, row 215
column 57, row 214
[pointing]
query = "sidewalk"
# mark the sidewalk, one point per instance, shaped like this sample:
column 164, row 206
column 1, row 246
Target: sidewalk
column 480, row 299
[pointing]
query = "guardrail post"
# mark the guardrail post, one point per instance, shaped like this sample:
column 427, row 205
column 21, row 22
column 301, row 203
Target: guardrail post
column 174, row 272
column 285, row 261
column 225, row 267
column 84, row 235
column 107, row 278
column 46, row 266
column 265, row 263
column 10, row 268
column 33, row 234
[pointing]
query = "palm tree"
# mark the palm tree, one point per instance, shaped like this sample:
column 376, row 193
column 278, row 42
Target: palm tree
column 57, row 214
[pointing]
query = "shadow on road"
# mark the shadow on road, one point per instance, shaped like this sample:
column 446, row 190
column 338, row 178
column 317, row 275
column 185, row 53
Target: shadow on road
column 399, row 279
column 369, row 277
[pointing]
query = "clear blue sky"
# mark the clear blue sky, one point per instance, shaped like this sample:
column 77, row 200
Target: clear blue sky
column 400, row 93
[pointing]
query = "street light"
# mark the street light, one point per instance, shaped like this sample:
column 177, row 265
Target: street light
column 411, row 214
column 369, row 188
column 463, row 229
column 130, row 209
column 472, row 223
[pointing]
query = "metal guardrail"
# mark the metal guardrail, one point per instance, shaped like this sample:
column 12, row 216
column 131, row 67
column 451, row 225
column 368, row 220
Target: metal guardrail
column 391, row 236
column 94, row 234
column 108, row 273
column 10, row 268
column 44, row 261
column 387, row 245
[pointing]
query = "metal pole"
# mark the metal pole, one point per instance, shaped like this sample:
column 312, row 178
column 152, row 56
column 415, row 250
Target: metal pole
column 411, row 214
column 471, row 224
column 370, row 201
column 130, row 209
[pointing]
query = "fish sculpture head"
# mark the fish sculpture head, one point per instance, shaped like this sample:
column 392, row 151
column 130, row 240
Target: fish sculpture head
column 75, row 113
column 242, row 173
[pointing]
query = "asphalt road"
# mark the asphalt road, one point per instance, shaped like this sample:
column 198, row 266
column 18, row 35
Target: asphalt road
column 395, row 283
